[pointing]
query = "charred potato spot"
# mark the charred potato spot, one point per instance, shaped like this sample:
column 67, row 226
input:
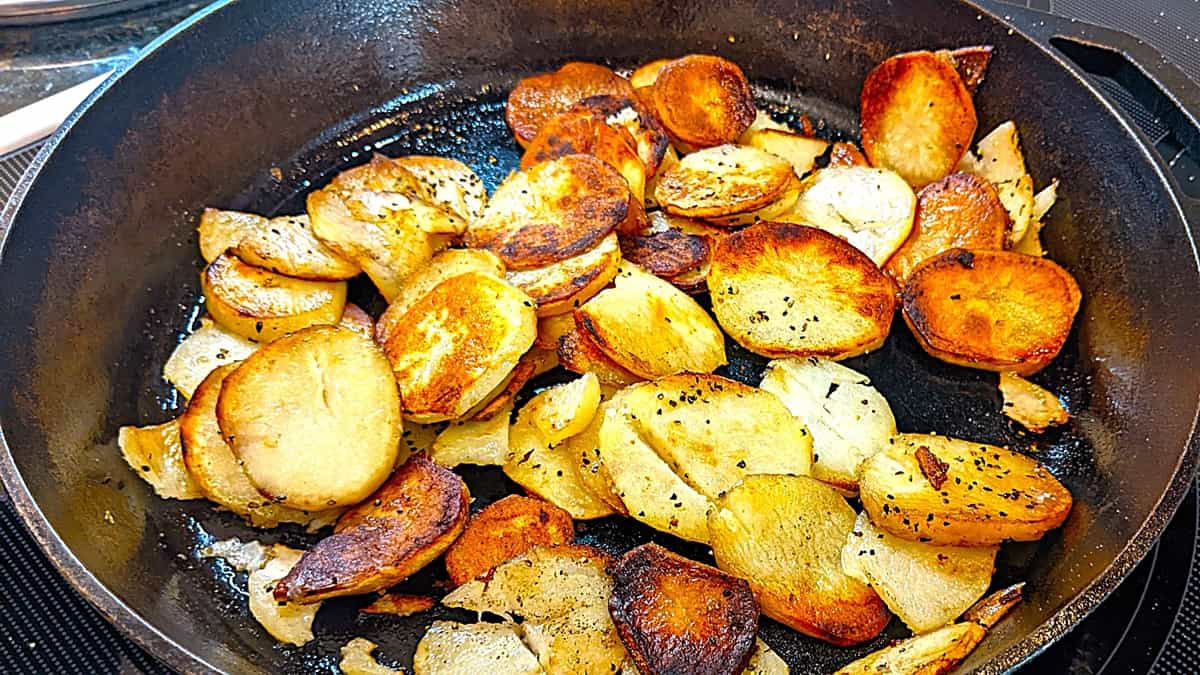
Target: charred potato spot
column 675, row 615
column 702, row 101
column 992, row 310
column 781, row 289
column 666, row 254
column 406, row 524
column 537, row 99
column 503, row 530
column 723, row 181
column 580, row 132
column 560, row 287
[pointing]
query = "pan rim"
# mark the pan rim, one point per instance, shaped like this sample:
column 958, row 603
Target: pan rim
column 179, row 658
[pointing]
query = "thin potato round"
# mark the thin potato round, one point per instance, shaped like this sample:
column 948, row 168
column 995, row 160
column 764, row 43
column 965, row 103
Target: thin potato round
column 998, row 158
column 220, row 230
column 155, row 453
column 933, row 653
column 287, row 245
column 260, row 305
column 449, row 184
column 450, row 648
column 566, row 409
column 562, row 286
column 800, row 151
column 646, row 74
column 578, row 354
column 788, row 290
column 505, row 529
column 649, row 137
column 992, row 310
column 586, row 449
column 703, row 101
column 538, row 98
column 209, row 346
column 463, row 338
column 666, row 254
column 483, row 442
column 917, row 116
column 314, row 417
column 548, row 471
column 958, row 211
column 870, row 208
column 444, row 265
column 553, row 211
column 551, row 328
column 723, row 181
column 580, row 132
column 776, row 210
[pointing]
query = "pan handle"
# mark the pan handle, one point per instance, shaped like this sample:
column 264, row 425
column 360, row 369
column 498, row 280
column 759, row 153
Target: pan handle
column 1146, row 74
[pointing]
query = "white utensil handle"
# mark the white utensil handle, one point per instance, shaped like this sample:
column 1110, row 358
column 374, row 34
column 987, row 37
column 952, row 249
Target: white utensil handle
column 38, row 120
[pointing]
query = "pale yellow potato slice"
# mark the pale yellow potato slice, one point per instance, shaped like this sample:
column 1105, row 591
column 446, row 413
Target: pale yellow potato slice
column 548, row 470
column 358, row 660
column 645, row 74
column 585, row 448
column 933, row 653
column 220, row 231
column 286, row 245
column 287, row 622
column 998, row 158
column 1031, row 243
column 562, row 286
column 208, row 347
column 722, row 181
column 450, row 185
column 565, row 409
column 482, row 442
column 800, row 151
column 155, row 454
column 450, row 648
column 260, row 305
column 1033, row 407
column 651, row 328
column 314, row 417
column 927, row 586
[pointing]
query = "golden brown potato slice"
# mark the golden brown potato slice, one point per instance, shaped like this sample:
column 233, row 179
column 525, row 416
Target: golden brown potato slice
column 405, row 525
column 559, row 287
column 646, row 74
column 220, row 230
column 971, row 64
column 288, row 622
column 1030, row 405
column 702, row 101
column 155, row 454
column 400, row 604
column 505, row 529
column 579, row 131
column 443, row 266
column 998, row 158
column 260, row 305
column 450, row 648
column 483, row 442
column 846, row 154
column 776, row 210
column 578, row 354
column 800, row 151
column 960, row 493
column 357, row 659
column 959, row 211
column 465, row 337
column 785, row 535
column 566, row 409
column 927, row 586
column 538, row 98
column 649, row 138
column 284, row 245
column 917, row 116
column 448, row 184
column 203, row 350
column 723, row 181
column 502, row 397
column 553, row 211
column 314, row 418
column 676, row 615
column 781, row 289
column 934, row 653
column 989, row 611
column 992, row 310
column 870, row 208
column 651, row 328
column 218, row 472
column 848, row 418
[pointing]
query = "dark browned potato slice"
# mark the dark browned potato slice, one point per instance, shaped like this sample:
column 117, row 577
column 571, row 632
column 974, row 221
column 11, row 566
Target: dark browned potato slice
column 666, row 254
column 694, row 280
column 402, row 527
column 630, row 114
column 992, row 310
column 971, row 64
column 559, row 287
column 675, row 615
column 551, row 212
column 723, row 181
column 789, row 290
column 846, row 154
column 702, row 101
column 933, row 653
column 951, row 492
column 400, row 604
column 959, row 211
column 505, row 529
column 917, row 116
column 538, row 98
column 580, row 132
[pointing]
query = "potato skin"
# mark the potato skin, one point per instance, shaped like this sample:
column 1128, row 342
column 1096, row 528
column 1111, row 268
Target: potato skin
column 404, row 526
column 538, row 98
column 702, row 101
column 675, row 615
column 505, row 529
column 992, row 310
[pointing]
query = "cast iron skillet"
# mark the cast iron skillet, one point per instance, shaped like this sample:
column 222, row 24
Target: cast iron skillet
column 249, row 105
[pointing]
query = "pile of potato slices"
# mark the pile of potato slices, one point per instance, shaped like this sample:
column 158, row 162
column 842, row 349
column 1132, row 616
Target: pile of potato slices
column 653, row 216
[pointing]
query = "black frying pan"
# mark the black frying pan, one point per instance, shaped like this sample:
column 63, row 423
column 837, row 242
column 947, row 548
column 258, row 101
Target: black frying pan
column 98, row 278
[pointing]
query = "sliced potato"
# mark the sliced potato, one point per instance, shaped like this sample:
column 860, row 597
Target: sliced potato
column 776, row 210
column 579, row 354
column 399, row 604
column 784, row 534
column 960, row 493
column 416, row 439
column 505, row 529
column 723, row 181
column 548, row 471
column 566, row 409
column 220, row 231
column 155, row 453
column 800, row 151
column 580, row 131
column 208, row 347
column 650, row 139
column 483, row 442
column 927, row 586
column 261, row 306
column 405, row 525
column 848, row 418
column 538, row 98
column 670, row 160
column 702, row 101
column 585, row 448
column 992, row 310
column 998, row 158
column 959, row 211
column 844, row 153
column 694, row 279
column 242, row 556
column 971, row 64
column 781, row 289
column 1031, row 242
column 989, row 611
column 551, row 328
column 917, row 116
column 502, row 397
column 675, row 615
column 357, row 659
column 870, row 208
column 666, row 254
column 219, row 473
column 314, row 418
column 288, row 622
column 443, row 266
column 450, row 648
column 646, row 74
column 713, row 431
column 764, row 661
column 933, row 653
column 651, row 328
column 286, row 245
column 560, row 287
column 1030, row 405
column 465, row 336
column 448, row 184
